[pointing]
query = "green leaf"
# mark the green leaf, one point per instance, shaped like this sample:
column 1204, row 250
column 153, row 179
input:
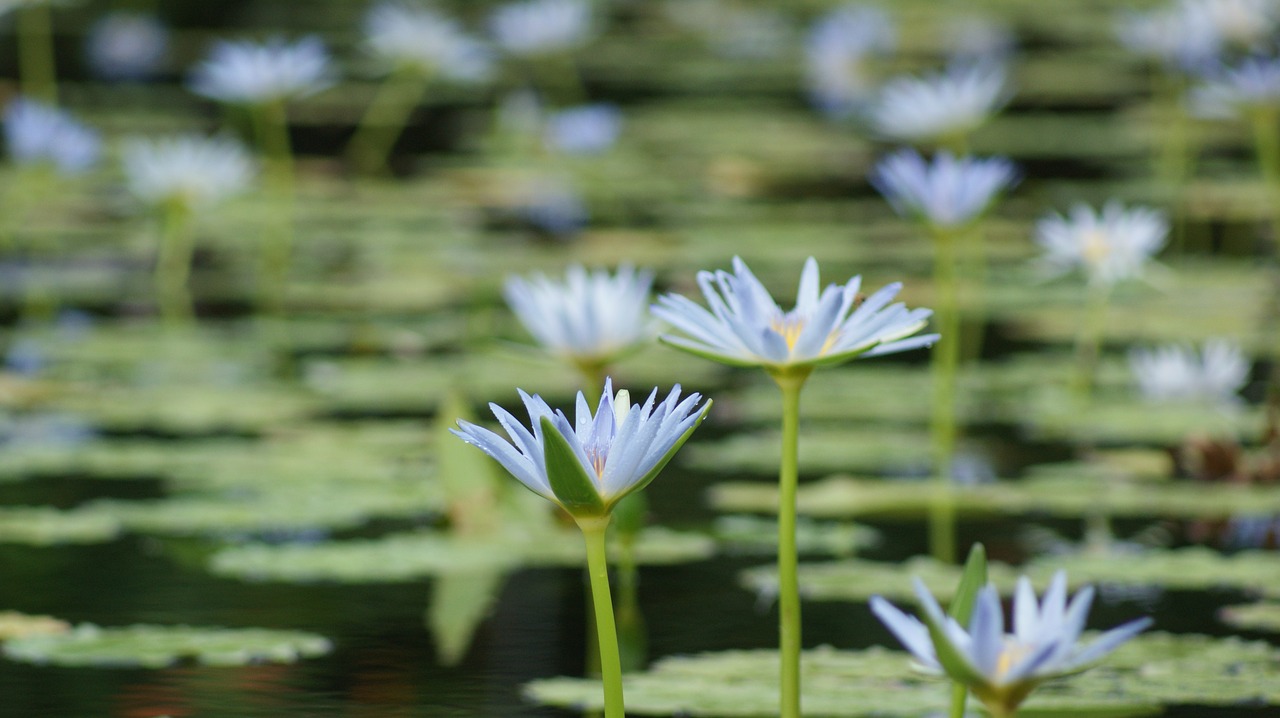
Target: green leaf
column 973, row 579
column 570, row 482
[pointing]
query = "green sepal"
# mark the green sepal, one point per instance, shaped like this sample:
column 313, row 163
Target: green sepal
column 961, row 608
column 573, row 486
column 951, row 659
column 657, row 468
column 971, row 581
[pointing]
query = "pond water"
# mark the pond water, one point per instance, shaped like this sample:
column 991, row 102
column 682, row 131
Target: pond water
column 279, row 459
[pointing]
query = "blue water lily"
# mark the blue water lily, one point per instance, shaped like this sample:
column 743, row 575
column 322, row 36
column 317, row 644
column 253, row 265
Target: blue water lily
column 946, row 193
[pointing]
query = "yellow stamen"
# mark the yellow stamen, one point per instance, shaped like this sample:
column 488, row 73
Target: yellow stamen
column 789, row 328
column 1095, row 247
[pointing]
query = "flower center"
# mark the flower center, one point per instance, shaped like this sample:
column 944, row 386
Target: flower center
column 1095, row 247
column 1011, row 653
column 788, row 326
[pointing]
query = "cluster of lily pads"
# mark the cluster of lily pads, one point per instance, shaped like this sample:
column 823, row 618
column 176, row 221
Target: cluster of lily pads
column 97, row 414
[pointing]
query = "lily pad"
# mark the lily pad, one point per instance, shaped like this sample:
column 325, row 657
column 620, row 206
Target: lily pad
column 870, row 449
column 46, row 526
column 745, row 534
column 1152, row 670
column 19, row 625
column 160, row 646
column 415, row 556
column 1263, row 616
column 858, row 579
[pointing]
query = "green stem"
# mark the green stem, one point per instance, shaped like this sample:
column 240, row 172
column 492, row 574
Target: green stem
column 959, row 697
column 594, row 531
column 173, row 265
column 789, row 635
column 385, row 120
column 1174, row 158
column 36, row 63
column 957, row 144
column 1089, row 340
column 974, row 274
column 946, row 367
column 561, row 80
column 273, row 135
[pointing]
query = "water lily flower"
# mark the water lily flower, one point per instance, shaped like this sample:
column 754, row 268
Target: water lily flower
column 1109, row 246
column 539, row 27
column 588, row 465
column 37, row 133
column 126, row 46
column 589, row 317
column 250, row 73
column 190, row 171
column 1238, row 91
column 836, row 54
column 585, row 130
column 403, row 35
column 1246, row 24
column 1175, row 372
column 1181, row 37
column 947, row 193
column 939, row 106
column 746, row 327
column 1002, row 669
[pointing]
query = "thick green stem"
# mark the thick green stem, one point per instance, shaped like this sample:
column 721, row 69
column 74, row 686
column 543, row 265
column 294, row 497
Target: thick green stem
column 36, row 64
column 959, row 697
column 789, row 633
column 1089, row 340
column 173, row 265
column 594, row 531
column 974, row 278
column 1174, row 157
column 385, row 120
column 273, row 136
column 946, row 366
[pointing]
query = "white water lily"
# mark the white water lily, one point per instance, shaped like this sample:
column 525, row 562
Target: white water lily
column 248, row 73
column 837, row 51
column 1002, row 669
column 945, row 193
column 746, row 327
column 538, row 27
column 1213, row 375
column 934, row 107
column 1108, row 246
column 402, row 34
column 190, row 170
column 589, row 317
column 37, row 133
column 588, row 465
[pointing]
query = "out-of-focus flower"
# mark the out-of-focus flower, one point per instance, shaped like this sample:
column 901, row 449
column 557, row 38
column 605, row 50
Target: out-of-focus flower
column 1002, row 669
column 836, row 55
column 590, row 317
column 746, row 327
column 189, row 171
column 1237, row 91
column 249, row 73
column 939, row 106
column 946, row 194
column 552, row 206
column 37, row 133
column 588, row 465
column 1246, row 24
column 126, row 46
column 1174, row 372
column 1178, row 36
column 1108, row 246
column 401, row 34
column 974, row 39
column 539, row 27
column 589, row 129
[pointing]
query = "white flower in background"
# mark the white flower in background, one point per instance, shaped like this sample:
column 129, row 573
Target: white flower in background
column 947, row 193
column 941, row 105
column 1002, row 669
column 539, row 27
column 249, row 73
column 401, row 34
column 1174, row 372
column 589, row 317
column 836, row 54
column 1178, row 36
column 1245, row 24
column 746, row 327
column 974, row 39
column 1237, row 91
column 189, row 171
column 585, row 130
column 1108, row 246
column 588, row 465
column 126, row 46
column 552, row 206
column 37, row 133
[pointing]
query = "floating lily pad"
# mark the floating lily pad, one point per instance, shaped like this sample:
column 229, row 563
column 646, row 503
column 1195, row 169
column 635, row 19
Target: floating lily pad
column 45, row 526
column 871, row 449
column 1263, row 616
column 858, row 579
column 1152, row 670
column 846, row 497
column 1053, row 414
column 160, row 646
column 754, row 534
column 15, row 625
column 1187, row 569
column 412, row 557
